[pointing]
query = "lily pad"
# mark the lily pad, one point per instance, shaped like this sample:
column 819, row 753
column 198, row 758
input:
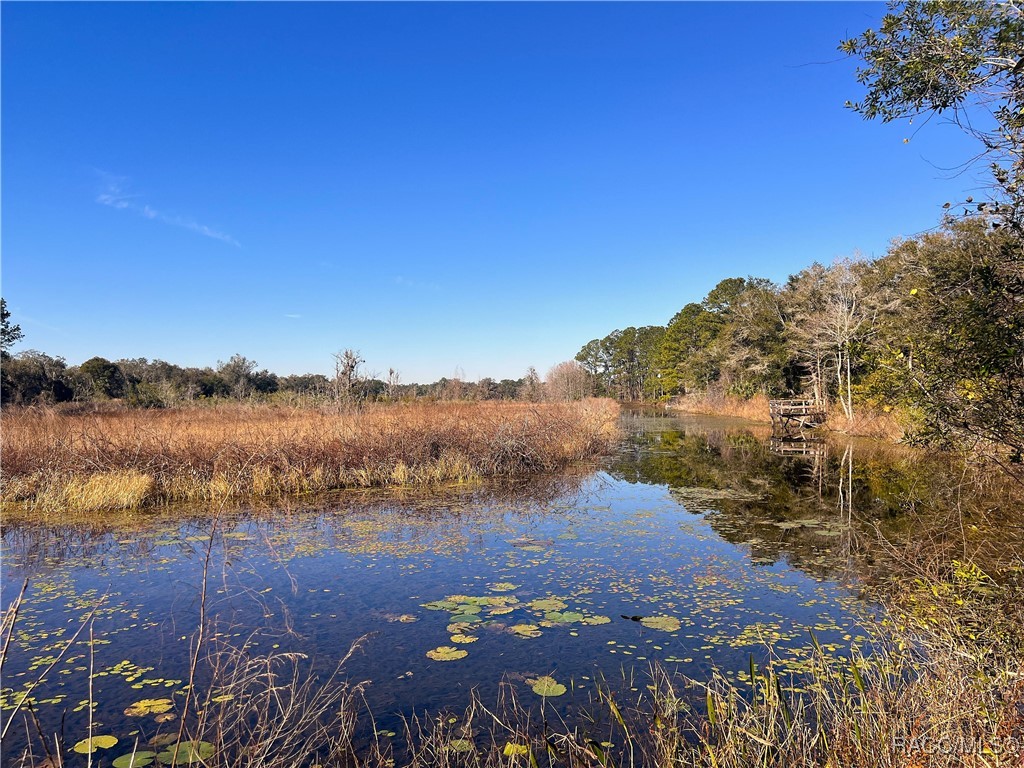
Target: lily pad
column 595, row 620
column 461, row 745
column 525, row 630
column 85, row 746
column 149, row 707
column 664, row 623
column 546, row 686
column 447, row 653
column 547, row 604
column 460, row 638
column 503, row 586
column 440, row 605
column 165, row 717
column 558, row 617
column 188, row 752
column 163, row 739
column 512, row 749
column 135, row 760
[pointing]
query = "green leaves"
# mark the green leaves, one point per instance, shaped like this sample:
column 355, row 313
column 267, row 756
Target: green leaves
column 546, row 686
column 134, row 760
column 188, row 752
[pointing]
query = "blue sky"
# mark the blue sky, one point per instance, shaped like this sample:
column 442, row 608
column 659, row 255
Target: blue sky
column 448, row 188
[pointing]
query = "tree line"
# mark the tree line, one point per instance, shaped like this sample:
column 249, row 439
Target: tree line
column 35, row 378
column 935, row 327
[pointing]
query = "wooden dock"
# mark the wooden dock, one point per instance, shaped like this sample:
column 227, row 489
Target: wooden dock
column 795, row 446
column 795, row 415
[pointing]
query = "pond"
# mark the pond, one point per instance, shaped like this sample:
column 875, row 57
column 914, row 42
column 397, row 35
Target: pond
column 696, row 546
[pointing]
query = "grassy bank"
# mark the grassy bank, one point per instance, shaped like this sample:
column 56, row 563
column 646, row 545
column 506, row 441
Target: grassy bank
column 866, row 422
column 129, row 458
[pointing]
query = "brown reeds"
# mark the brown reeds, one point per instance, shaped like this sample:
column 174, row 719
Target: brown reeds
column 130, row 458
column 718, row 404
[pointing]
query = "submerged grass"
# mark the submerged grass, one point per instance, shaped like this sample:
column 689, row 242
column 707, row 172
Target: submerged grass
column 130, row 458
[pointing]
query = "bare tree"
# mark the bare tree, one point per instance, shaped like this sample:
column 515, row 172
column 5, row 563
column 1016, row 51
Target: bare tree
column 833, row 313
column 532, row 388
column 391, row 386
column 346, row 374
column 568, row 381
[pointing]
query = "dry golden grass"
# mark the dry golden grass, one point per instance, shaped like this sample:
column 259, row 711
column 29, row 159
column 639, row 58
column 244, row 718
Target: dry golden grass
column 713, row 404
column 128, row 458
column 866, row 421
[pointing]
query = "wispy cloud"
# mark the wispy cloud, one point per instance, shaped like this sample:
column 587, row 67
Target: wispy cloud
column 293, row 317
column 114, row 193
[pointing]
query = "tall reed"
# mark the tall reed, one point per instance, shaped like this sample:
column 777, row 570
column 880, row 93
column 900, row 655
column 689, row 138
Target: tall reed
column 129, row 458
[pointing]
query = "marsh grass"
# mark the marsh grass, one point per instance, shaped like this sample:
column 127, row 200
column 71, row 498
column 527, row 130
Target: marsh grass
column 125, row 459
column 866, row 421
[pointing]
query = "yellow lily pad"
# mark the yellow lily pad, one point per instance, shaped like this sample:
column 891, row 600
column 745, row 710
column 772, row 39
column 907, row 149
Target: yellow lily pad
column 664, row 623
column 447, row 653
column 85, row 746
column 149, row 707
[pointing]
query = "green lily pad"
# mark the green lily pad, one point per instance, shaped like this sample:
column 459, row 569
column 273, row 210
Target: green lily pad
column 188, row 752
column 664, row 623
column 595, row 620
column 163, row 739
column 546, row 686
column 440, row 605
column 462, row 624
column 446, row 653
column 134, row 760
column 503, row 586
column 460, row 638
column 149, row 707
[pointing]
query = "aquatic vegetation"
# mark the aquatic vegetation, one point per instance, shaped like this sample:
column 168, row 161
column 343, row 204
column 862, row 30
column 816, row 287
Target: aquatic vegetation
column 546, row 686
column 149, row 707
column 188, row 752
column 525, row 630
column 93, row 743
column 447, row 653
column 135, row 760
column 664, row 623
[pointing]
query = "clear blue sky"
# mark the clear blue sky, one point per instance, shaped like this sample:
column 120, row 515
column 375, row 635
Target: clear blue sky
column 469, row 188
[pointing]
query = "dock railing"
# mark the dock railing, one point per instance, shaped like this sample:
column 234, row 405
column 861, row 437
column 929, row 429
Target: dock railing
column 787, row 415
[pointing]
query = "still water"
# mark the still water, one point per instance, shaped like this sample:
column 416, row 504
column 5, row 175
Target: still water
column 695, row 546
